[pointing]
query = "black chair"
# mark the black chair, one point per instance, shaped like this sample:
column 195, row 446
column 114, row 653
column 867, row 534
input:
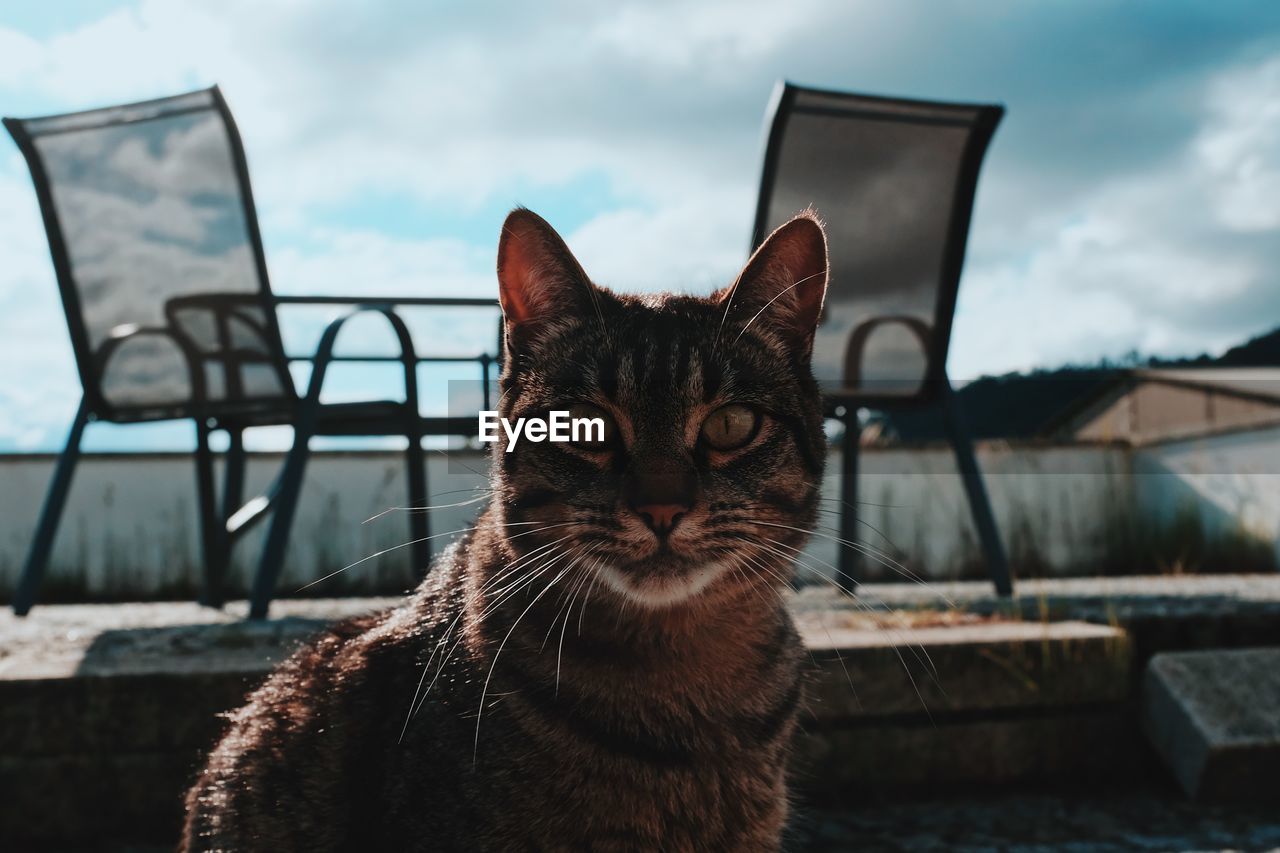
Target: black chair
column 894, row 180
column 159, row 261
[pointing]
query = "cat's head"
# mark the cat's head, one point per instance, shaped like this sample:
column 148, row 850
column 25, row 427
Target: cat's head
column 706, row 480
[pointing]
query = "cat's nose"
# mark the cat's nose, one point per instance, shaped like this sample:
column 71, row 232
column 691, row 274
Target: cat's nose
column 661, row 489
column 661, row 518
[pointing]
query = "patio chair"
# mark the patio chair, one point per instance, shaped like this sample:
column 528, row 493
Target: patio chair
column 159, row 262
column 894, row 180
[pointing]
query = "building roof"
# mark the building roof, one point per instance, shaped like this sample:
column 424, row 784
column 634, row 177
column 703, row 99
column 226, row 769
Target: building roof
column 1047, row 403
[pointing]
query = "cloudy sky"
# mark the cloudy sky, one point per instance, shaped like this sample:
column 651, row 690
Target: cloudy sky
column 1129, row 200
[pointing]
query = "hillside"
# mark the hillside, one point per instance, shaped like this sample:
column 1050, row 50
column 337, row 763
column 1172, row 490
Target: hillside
column 1021, row 405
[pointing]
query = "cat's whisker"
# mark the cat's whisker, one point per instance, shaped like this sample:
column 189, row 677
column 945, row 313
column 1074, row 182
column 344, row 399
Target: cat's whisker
column 863, row 547
column 566, row 599
column 871, row 549
column 889, row 542
column 595, row 578
column 884, row 559
column 859, row 603
column 565, row 626
column 496, row 594
column 414, row 704
column 728, row 304
column 835, row 646
column 434, row 536
column 490, row 590
column 568, row 610
column 454, row 459
column 380, row 553
column 779, row 295
column 475, row 750
column 797, row 557
column 392, row 509
column 885, row 611
column 738, row 563
column 495, row 597
column 751, row 570
column 854, row 504
column 417, row 703
column 838, row 514
column 466, row 489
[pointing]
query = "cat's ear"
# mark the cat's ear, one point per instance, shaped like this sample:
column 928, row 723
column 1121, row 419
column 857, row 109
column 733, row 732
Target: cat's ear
column 783, row 285
column 540, row 282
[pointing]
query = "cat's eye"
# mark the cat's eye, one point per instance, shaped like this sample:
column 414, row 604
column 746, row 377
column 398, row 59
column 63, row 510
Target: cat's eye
column 591, row 427
column 730, row 427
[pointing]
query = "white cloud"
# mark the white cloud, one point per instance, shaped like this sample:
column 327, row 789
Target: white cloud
column 1126, row 202
column 702, row 37
column 1174, row 259
column 1239, row 146
column 693, row 245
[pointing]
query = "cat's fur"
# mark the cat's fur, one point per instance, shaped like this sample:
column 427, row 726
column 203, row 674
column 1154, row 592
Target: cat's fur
column 585, row 683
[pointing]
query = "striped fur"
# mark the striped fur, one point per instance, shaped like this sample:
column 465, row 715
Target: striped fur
column 578, row 682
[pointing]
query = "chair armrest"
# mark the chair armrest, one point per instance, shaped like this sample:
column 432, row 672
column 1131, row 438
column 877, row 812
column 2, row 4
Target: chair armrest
column 121, row 334
column 428, row 301
column 858, row 341
column 377, row 302
column 324, row 353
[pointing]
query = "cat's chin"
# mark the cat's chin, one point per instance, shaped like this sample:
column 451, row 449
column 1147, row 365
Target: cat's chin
column 659, row 591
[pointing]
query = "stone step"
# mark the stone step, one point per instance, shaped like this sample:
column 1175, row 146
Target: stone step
column 1214, row 718
column 984, row 703
column 105, row 711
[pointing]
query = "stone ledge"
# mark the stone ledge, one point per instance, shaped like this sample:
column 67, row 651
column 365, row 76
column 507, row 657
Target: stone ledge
column 1068, row 745
column 81, row 640
column 1214, row 717
column 105, row 710
column 931, row 672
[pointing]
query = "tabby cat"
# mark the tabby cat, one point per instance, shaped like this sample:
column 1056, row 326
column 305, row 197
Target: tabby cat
column 605, row 661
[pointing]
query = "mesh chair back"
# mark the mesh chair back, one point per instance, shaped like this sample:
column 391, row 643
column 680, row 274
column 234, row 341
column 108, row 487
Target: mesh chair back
column 894, row 182
column 156, row 248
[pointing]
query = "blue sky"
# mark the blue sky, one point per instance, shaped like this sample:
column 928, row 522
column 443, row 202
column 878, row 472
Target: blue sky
column 1128, row 201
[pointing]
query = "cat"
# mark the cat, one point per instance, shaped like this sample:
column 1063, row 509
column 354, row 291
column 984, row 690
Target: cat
column 605, row 662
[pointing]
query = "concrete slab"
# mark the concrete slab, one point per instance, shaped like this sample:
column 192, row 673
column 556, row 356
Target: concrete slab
column 915, row 705
column 1214, row 717
column 932, row 672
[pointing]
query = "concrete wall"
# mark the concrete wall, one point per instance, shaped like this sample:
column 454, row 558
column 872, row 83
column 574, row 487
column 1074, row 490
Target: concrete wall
column 1227, row 485
column 130, row 529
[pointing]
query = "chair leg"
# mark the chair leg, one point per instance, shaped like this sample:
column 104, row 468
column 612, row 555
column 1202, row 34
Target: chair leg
column 419, row 521
column 849, row 562
column 979, row 503
column 286, row 505
column 212, row 530
column 50, row 514
column 232, row 498
column 233, row 477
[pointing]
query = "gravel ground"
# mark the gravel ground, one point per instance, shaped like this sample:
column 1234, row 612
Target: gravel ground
column 1113, row 821
column 1020, row 823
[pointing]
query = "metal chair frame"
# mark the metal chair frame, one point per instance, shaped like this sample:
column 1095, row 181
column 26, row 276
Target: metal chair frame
column 935, row 390
column 221, row 523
